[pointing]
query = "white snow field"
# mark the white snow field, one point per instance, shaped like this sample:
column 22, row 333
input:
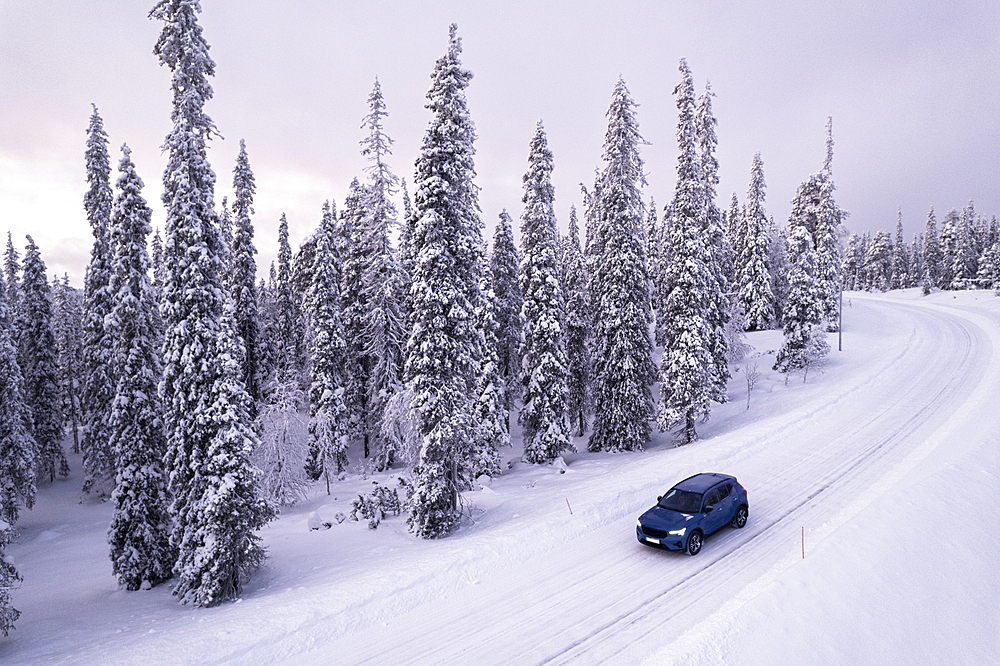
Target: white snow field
column 887, row 461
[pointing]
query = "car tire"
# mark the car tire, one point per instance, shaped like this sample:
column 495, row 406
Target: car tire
column 694, row 543
column 740, row 519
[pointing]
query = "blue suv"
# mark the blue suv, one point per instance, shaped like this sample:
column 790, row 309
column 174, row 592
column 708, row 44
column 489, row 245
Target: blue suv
column 694, row 508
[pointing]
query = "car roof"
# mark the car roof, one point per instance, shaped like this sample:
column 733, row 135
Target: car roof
column 700, row 483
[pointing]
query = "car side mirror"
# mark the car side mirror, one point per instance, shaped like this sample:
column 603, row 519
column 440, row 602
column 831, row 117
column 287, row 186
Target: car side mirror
column 659, row 497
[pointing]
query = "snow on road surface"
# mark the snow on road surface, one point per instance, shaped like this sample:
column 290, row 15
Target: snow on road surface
column 887, row 462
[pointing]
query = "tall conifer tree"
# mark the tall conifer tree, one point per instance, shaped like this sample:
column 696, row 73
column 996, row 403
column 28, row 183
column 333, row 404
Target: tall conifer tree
column 508, row 300
column 355, row 258
column 543, row 352
column 287, row 308
column 718, row 306
column 754, row 286
column 215, row 505
column 99, row 376
column 68, row 329
column 804, row 339
column 931, row 276
column 900, row 257
column 40, row 365
column 827, row 235
column 17, row 446
column 383, row 324
column 141, row 553
column 328, row 427
column 243, row 280
column 579, row 400
column 619, row 290
column 443, row 353
column 687, row 367
column 12, row 274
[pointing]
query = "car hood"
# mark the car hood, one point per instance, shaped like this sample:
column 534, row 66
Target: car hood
column 665, row 519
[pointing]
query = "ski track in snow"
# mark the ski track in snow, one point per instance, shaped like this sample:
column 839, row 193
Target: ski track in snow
column 530, row 583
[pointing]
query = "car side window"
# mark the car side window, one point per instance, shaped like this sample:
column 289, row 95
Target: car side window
column 711, row 499
column 724, row 491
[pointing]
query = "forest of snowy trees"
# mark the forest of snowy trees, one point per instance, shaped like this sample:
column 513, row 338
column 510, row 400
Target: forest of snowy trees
column 964, row 254
column 202, row 397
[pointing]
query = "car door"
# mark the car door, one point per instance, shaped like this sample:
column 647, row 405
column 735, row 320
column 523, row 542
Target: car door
column 715, row 518
column 727, row 500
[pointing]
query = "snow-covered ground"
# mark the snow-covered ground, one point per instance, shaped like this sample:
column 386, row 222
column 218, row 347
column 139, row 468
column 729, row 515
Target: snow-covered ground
column 887, row 461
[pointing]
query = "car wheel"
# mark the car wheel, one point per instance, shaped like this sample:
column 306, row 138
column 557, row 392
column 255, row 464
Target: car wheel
column 694, row 543
column 740, row 519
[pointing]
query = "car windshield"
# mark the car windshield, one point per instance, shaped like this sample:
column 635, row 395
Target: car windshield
column 682, row 501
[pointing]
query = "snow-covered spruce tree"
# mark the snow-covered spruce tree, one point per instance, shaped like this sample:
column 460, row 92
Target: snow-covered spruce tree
column 754, row 274
column 619, row 290
column 508, row 300
column 900, row 257
column 68, row 330
column 443, row 352
column 489, row 416
column 988, row 274
column 827, row 236
column 215, row 504
column 328, row 426
column 915, row 268
column 17, row 446
column 243, row 275
column 719, row 304
column 543, row 352
column 805, row 341
column 687, row 367
column 931, row 275
column 579, row 401
column 141, row 553
column 736, row 231
column 286, row 309
column 854, row 261
column 268, row 338
column 878, row 262
column 9, row 577
column 302, row 266
column 99, row 371
column 659, row 276
column 40, row 366
column 12, row 274
column 383, row 324
column 949, row 248
column 966, row 256
column 355, row 255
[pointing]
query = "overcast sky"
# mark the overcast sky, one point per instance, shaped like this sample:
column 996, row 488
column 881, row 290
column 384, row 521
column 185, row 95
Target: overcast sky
column 913, row 87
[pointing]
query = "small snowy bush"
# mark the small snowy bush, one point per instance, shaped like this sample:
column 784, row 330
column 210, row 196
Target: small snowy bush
column 375, row 506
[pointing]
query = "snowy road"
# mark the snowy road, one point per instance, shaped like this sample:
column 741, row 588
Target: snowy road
column 866, row 459
column 602, row 597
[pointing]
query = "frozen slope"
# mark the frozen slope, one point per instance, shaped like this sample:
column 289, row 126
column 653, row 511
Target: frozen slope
column 887, row 461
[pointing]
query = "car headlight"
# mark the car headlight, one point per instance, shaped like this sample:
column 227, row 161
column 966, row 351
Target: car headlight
column 639, row 523
column 679, row 532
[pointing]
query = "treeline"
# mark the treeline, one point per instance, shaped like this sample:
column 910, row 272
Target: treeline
column 964, row 255
column 189, row 376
